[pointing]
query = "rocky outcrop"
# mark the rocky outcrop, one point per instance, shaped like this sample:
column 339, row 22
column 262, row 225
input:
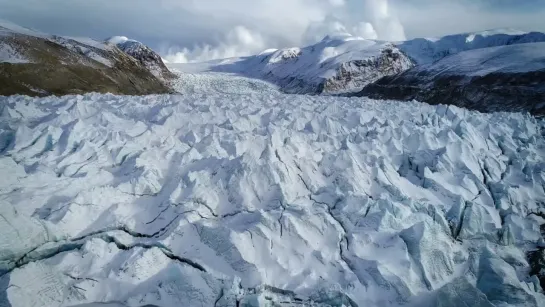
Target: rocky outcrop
column 145, row 55
column 359, row 73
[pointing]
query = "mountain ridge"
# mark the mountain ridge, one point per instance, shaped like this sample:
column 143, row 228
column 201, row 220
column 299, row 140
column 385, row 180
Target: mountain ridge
column 337, row 64
column 348, row 65
column 37, row 64
column 500, row 78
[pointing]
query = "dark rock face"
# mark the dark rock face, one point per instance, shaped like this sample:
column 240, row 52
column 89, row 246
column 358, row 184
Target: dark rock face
column 506, row 78
column 147, row 57
column 511, row 92
column 61, row 66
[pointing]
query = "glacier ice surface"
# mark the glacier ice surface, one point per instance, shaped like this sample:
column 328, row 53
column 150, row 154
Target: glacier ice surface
column 234, row 194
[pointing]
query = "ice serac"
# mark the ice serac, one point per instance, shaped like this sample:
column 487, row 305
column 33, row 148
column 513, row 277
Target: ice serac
column 235, row 194
column 496, row 280
column 337, row 64
column 504, row 78
column 144, row 54
column 460, row 292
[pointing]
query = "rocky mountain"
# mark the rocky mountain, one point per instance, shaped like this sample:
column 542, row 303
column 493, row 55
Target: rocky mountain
column 144, row 54
column 38, row 64
column 504, row 78
column 337, row 64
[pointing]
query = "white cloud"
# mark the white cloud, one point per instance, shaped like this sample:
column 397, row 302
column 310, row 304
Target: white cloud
column 386, row 25
column 365, row 30
column 295, row 22
column 240, row 41
column 337, row 2
column 318, row 30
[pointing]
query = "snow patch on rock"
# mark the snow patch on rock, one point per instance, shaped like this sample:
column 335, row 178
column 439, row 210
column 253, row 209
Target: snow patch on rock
column 9, row 55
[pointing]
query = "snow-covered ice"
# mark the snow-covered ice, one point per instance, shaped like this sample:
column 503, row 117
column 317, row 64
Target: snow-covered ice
column 234, row 194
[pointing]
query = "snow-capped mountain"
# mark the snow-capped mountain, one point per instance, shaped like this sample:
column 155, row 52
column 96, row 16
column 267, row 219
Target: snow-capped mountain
column 36, row 63
column 429, row 50
column 144, row 54
column 504, row 78
column 339, row 64
column 235, row 194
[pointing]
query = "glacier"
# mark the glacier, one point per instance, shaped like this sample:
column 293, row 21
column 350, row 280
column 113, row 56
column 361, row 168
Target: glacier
column 233, row 193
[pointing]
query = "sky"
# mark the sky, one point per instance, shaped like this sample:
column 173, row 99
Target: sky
column 197, row 30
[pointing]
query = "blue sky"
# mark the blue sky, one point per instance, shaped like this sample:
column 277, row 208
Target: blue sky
column 204, row 29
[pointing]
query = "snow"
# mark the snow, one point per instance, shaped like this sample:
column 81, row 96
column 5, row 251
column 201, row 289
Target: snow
column 89, row 42
column 9, row 28
column 9, row 55
column 429, row 50
column 80, row 45
column 268, row 51
column 145, row 55
column 99, row 59
column 88, row 47
column 234, row 194
column 503, row 59
column 500, row 31
column 492, row 32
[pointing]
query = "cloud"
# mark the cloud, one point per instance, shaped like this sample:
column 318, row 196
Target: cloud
column 365, row 30
column 240, row 41
column 386, row 24
column 431, row 18
column 194, row 30
column 283, row 23
column 319, row 29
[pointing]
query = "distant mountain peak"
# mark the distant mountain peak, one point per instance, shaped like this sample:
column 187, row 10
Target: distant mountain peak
column 143, row 54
